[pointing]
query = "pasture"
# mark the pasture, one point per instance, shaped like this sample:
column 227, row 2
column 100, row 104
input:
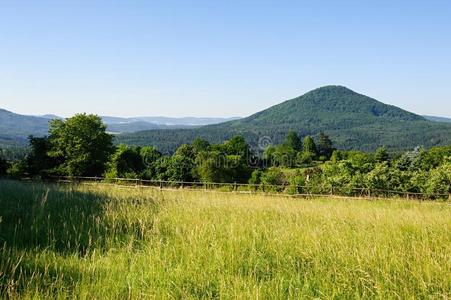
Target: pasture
column 104, row 242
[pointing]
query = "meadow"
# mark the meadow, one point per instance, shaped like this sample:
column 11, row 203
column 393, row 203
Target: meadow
column 104, row 242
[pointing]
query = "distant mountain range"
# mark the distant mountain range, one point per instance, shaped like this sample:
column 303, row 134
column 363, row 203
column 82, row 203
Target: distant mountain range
column 437, row 119
column 352, row 120
column 15, row 128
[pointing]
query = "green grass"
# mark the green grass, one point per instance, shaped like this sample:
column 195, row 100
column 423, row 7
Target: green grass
column 97, row 242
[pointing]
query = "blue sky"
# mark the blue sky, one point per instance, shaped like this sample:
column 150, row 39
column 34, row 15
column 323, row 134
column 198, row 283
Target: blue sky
column 219, row 58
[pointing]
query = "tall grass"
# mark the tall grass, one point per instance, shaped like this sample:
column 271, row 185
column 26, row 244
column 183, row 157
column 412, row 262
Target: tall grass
column 98, row 242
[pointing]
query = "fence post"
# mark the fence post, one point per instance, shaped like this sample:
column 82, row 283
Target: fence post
column 369, row 193
column 235, row 186
column 161, row 184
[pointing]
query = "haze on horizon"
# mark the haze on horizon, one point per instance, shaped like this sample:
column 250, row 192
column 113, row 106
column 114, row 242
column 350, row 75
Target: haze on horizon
column 217, row 59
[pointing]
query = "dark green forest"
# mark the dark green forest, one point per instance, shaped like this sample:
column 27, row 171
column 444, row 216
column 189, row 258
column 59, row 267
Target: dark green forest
column 80, row 146
column 354, row 122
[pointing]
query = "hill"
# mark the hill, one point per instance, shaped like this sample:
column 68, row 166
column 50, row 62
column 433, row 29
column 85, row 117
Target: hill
column 438, row 119
column 15, row 128
column 353, row 121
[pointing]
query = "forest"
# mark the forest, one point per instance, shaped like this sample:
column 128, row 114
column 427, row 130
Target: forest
column 80, row 146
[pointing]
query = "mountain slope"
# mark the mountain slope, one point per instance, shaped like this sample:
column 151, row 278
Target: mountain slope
column 353, row 121
column 15, row 128
column 438, row 119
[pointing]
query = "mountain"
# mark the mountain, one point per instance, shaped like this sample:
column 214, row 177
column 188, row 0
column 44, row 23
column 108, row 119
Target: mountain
column 352, row 120
column 15, row 128
column 51, row 117
column 437, row 119
column 134, row 124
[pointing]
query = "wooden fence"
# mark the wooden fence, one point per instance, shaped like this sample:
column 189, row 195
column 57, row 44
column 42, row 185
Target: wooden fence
column 286, row 189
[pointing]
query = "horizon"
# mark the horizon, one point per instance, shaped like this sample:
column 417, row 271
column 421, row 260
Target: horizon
column 209, row 117
column 213, row 59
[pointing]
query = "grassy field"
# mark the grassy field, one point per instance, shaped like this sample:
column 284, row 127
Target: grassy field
column 97, row 242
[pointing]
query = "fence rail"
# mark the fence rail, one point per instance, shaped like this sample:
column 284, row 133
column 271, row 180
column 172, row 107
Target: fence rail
column 286, row 189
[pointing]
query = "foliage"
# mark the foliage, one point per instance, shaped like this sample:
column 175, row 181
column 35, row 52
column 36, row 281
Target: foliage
column 181, row 165
column 273, row 176
column 126, row 162
column 440, row 180
column 355, row 122
column 309, row 145
column 81, row 144
column 381, row 155
column 38, row 160
column 17, row 169
column 256, row 177
column 325, row 147
column 293, row 141
column 346, row 173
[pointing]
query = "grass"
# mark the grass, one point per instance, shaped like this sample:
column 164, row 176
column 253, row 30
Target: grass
column 100, row 242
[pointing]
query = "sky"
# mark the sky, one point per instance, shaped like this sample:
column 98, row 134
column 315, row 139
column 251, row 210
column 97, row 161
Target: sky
column 219, row 58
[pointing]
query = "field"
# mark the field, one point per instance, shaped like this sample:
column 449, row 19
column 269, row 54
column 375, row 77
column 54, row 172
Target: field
column 99, row 242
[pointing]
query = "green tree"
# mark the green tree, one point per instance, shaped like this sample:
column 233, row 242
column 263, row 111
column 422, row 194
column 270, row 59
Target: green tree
column 293, row 141
column 236, row 146
column 161, row 167
column 81, row 144
column 200, row 145
column 149, row 156
column 281, row 155
column 211, row 166
column 325, row 147
column 381, row 154
column 126, row 162
column 433, row 158
column 304, row 158
column 440, row 180
column 273, row 179
column 309, row 145
column 181, row 165
column 38, row 160
column 255, row 177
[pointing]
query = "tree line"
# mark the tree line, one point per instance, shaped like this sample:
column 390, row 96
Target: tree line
column 80, row 146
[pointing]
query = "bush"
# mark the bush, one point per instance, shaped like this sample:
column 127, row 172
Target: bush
column 440, row 180
column 273, row 179
column 255, row 177
column 17, row 169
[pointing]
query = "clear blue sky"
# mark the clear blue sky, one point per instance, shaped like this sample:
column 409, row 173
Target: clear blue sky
column 219, row 58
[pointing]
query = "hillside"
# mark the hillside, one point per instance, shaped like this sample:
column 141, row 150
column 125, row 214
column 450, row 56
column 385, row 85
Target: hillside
column 353, row 121
column 438, row 119
column 15, row 128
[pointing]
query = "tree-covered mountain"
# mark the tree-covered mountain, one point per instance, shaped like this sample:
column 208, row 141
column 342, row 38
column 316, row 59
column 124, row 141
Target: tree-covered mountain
column 15, row 128
column 352, row 120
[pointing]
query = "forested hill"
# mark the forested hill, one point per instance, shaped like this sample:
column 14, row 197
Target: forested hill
column 352, row 120
column 15, row 128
